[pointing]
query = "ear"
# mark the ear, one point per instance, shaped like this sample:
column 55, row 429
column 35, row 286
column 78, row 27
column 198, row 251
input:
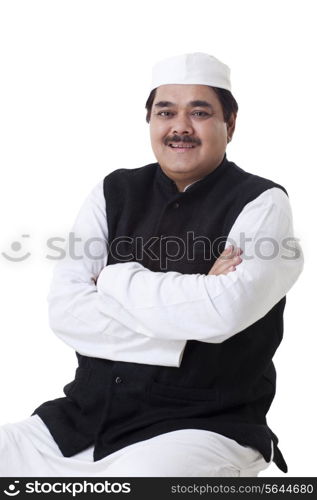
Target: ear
column 231, row 124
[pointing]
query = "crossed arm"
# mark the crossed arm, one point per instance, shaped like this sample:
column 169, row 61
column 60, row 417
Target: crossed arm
column 132, row 314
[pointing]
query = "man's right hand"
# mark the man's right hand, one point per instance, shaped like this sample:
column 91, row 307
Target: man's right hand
column 227, row 261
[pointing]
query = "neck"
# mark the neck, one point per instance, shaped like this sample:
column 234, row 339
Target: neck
column 182, row 180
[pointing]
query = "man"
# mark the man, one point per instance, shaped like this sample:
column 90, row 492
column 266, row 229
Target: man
column 175, row 308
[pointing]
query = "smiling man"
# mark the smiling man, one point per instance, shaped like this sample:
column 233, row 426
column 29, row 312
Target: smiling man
column 175, row 309
column 188, row 131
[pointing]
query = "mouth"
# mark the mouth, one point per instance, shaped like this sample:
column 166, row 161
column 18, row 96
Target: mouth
column 180, row 147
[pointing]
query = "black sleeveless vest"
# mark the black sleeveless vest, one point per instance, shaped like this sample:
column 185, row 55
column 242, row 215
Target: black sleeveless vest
column 226, row 387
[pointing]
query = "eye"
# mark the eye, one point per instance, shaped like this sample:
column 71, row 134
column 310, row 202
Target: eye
column 200, row 114
column 165, row 114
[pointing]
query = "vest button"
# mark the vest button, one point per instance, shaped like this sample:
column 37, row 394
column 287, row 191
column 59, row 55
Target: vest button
column 176, row 204
column 118, row 380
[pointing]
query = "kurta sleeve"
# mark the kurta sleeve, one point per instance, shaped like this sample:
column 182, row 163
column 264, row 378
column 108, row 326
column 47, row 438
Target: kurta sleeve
column 80, row 315
column 213, row 308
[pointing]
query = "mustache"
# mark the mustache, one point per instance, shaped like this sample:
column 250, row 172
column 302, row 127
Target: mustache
column 182, row 138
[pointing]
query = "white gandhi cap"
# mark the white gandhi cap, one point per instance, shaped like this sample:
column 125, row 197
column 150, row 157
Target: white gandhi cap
column 197, row 68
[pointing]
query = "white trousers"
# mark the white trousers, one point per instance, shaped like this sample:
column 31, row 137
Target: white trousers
column 28, row 449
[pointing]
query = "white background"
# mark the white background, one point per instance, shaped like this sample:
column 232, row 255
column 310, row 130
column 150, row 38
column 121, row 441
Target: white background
column 74, row 80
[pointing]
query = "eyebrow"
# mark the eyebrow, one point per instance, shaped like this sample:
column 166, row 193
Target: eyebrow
column 164, row 104
column 193, row 104
column 200, row 104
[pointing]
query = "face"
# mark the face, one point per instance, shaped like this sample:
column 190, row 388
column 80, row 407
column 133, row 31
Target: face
column 188, row 132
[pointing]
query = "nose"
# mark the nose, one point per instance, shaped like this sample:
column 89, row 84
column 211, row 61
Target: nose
column 182, row 125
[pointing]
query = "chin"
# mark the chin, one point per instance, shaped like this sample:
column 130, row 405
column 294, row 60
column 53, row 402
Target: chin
column 181, row 168
column 181, row 164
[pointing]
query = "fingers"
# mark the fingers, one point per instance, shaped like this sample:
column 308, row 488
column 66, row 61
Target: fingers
column 229, row 252
column 228, row 265
column 227, row 261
